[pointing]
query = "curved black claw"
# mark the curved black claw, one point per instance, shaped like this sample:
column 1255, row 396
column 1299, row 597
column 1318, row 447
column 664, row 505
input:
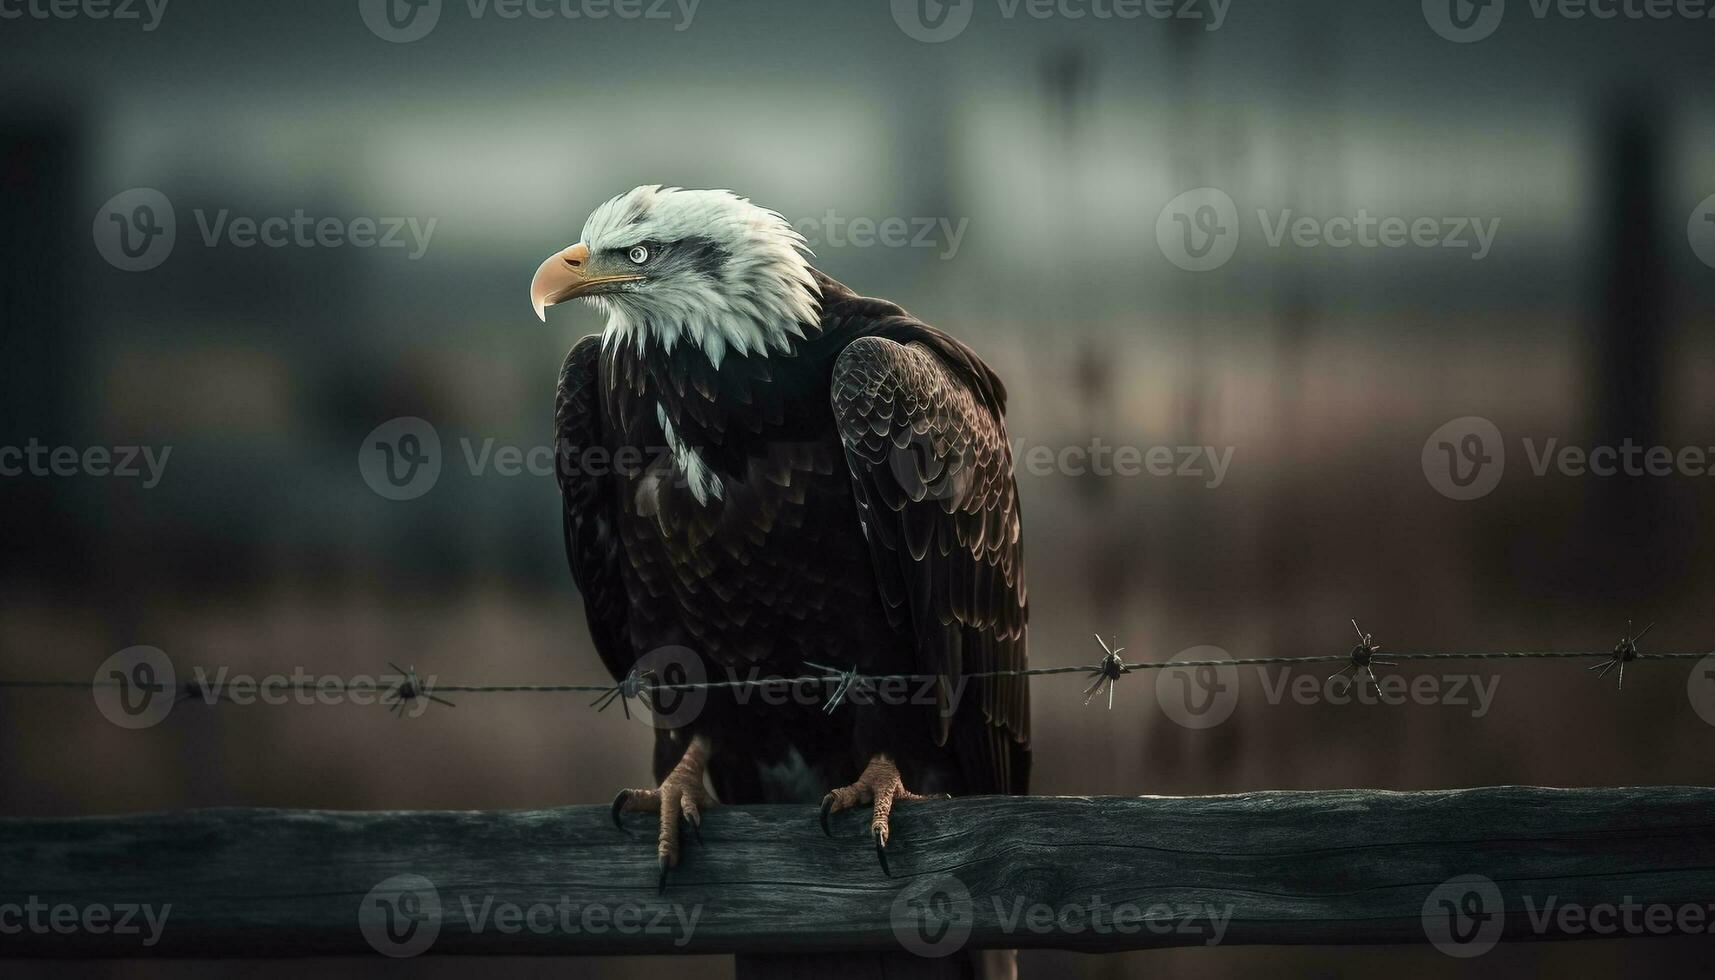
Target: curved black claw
column 695, row 825
column 827, row 808
column 619, row 805
column 881, row 853
column 661, row 883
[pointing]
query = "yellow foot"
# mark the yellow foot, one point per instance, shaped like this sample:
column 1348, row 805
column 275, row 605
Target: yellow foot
column 880, row 784
column 681, row 796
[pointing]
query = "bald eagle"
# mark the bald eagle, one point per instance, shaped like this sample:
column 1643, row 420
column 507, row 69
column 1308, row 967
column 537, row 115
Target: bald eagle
column 819, row 477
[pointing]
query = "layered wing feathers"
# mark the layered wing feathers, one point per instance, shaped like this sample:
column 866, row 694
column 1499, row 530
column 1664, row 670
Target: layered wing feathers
column 934, row 482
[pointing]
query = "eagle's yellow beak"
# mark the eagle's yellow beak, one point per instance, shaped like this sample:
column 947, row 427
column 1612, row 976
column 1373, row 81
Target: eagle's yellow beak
column 566, row 275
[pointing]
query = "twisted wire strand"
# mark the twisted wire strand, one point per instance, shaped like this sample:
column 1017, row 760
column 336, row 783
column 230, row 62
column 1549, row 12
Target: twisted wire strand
column 339, row 686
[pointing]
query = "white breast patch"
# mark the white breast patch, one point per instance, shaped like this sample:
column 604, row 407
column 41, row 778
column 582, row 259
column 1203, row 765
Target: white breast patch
column 704, row 483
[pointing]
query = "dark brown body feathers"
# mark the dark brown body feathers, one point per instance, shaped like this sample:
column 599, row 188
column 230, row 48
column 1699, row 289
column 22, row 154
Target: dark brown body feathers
column 869, row 518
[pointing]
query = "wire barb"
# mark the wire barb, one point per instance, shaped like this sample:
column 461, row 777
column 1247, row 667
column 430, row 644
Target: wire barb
column 844, row 681
column 410, row 689
column 623, row 692
column 1624, row 653
column 1363, row 658
column 1107, row 672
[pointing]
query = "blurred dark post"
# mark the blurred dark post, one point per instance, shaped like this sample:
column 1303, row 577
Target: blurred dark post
column 1628, row 351
column 1630, row 339
column 42, row 258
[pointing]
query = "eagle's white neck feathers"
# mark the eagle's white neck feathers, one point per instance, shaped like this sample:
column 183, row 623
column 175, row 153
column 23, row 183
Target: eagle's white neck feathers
column 754, row 301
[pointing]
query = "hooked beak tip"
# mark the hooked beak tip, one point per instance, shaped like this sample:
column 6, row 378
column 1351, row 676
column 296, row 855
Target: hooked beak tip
column 559, row 277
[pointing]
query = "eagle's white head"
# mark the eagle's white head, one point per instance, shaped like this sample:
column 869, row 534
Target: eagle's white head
column 707, row 268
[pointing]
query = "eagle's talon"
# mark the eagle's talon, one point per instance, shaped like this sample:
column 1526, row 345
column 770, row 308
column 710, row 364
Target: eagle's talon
column 661, row 882
column 827, row 808
column 881, row 786
column 679, row 801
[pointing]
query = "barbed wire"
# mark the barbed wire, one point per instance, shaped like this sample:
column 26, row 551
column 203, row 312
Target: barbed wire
column 411, row 687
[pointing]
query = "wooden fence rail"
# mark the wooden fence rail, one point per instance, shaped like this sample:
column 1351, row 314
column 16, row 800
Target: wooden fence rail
column 1103, row 874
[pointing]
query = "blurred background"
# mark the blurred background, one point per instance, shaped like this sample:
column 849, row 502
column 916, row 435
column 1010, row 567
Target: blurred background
column 1036, row 162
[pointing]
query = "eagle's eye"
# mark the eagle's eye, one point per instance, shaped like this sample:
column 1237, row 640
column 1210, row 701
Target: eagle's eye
column 639, row 254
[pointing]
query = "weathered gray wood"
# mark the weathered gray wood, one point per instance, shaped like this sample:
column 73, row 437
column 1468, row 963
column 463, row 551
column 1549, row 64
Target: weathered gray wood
column 1348, row 866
